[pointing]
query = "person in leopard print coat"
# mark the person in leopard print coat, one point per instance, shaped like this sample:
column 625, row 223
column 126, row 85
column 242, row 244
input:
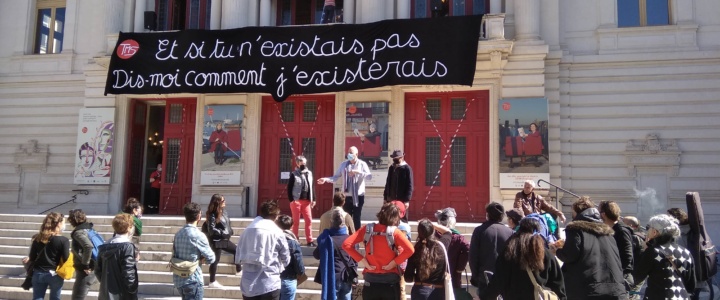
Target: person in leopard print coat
column 669, row 267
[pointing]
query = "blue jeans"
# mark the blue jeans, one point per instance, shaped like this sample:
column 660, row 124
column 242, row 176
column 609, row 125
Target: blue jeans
column 40, row 282
column 287, row 289
column 192, row 291
column 343, row 290
column 328, row 14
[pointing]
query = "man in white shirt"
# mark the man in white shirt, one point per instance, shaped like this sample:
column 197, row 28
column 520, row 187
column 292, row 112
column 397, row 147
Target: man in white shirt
column 355, row 172
column 263, row 253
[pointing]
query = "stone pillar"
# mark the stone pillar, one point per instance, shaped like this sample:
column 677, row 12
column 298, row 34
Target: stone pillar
column 403, row 9
column 495, row 6
column 233, row 14
column 265, row 13
column 372, row 11
column 253, row 18
column 527, row 20
column 128, row 16
column 140, row 7
column 114, row 12
column 215, row 14
column 349, row 11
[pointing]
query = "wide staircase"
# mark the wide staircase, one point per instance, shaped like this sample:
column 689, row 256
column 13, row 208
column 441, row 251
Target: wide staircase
column 155, row 252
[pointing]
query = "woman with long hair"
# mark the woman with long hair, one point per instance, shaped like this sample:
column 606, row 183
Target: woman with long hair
column 135, row 209
column 219, row 232
column 525, row 253
column 49, row 249
column 668, row 267
column 426, row 267
column 82, row 248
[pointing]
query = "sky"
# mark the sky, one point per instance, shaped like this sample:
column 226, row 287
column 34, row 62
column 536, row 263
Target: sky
column 526, row 110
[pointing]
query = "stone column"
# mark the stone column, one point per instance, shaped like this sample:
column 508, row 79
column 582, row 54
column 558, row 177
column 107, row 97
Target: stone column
column 403, row 9
column 265, row 13
column 215, row 14
column 349, row 11
column 140, row 7
column 253, row 18
column 527, row 20
column 234, row 14
column 114, row 12
column 495, row 6
column 128, row 16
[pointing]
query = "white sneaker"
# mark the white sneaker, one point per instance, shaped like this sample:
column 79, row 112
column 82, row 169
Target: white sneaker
column 215, row 285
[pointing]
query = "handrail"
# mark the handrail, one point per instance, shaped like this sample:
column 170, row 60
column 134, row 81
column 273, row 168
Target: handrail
column 557, row 201
column 74, row 197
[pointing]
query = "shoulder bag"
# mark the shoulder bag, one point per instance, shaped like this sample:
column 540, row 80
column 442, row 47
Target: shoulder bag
column 449, row 293
column 541, row 293
column 182, row 268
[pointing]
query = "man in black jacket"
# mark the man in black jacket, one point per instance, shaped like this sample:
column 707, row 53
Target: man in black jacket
column 116, row 267
column 399, row 183
column 487, row 243
column 610, row 213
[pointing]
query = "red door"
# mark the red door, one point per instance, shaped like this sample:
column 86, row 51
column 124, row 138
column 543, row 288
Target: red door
column 446, row 143
column 179, row 141
column 301, row 125
column 136, row 146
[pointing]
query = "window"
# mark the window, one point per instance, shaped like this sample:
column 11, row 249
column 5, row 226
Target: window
column 49, row 29
column 633, row 13
column 303, row 12
column 183, row 14
column 433, row 8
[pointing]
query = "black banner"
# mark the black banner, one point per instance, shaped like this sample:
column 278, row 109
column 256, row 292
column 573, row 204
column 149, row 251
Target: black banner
column 296, row 60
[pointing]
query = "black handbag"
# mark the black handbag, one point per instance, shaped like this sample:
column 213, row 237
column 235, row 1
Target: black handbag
column 27, row 284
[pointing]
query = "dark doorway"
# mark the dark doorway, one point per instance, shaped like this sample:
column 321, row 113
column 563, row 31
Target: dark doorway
column 147, row 122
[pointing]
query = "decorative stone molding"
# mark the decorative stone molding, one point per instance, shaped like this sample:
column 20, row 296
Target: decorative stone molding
column 652, row 153
column 31, row 156
column 493, row 27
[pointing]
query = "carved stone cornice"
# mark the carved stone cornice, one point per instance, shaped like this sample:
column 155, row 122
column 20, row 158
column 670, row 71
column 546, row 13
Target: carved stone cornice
column 652, row 153
column 31, row 156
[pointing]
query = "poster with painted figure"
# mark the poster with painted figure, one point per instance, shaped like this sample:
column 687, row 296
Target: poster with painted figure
column 93, row 160
column 523, row 141
column 222, row 145
column 366, row 128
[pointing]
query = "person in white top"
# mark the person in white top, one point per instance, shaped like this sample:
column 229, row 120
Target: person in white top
column 355, row 172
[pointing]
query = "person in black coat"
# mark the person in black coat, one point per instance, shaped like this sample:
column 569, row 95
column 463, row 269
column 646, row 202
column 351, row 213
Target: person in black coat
column 487, row 242
column 399, row 183
column 48, row 250
column 623, row 235
column 591, row 262
column 219, row 231
column 116, row 268
column 669, row 267
column 525, row 251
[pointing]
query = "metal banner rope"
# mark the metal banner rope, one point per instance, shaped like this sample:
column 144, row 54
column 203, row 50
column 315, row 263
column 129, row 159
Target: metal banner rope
column 447, row 152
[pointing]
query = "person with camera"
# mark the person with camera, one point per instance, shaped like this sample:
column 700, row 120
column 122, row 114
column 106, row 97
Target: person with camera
column 338, row 271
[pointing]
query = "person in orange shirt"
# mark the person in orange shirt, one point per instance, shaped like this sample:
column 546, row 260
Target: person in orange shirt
column 381, row 262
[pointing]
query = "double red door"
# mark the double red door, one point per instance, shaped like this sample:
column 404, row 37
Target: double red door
column 446, row 143
column 179, row 141
column 301, row 125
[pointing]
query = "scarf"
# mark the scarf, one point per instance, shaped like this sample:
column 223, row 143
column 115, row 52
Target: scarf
column 327, row 261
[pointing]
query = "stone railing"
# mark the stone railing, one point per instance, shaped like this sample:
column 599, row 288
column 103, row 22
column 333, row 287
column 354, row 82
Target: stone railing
column 493, row 27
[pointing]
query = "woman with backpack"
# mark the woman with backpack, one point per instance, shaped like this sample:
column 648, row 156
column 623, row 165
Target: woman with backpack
column 426, row 267
column 382, row 257
column 82, row 248
column 338, row 271
column 669, row 267
column 49, row 249
column 219, row 232
column 525, row 256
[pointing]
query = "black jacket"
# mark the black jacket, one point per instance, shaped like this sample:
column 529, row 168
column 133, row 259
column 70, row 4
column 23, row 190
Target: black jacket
column 82, row 247
column 296, row 265
column 624, row 239
column 513, row 283
column 591, row 260
column 55, row 251
column 219, row 231
column 399, row 183
column 487, row 243
column 663, row 282
column 116, row 269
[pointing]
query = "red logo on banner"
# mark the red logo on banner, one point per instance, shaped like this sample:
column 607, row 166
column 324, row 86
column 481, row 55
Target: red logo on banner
column 84, row 130
column 127, row 49
column 506, row 106
column 352, row 109
column 210, row 111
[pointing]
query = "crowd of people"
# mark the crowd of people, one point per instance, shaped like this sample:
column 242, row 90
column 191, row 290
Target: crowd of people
column 515, row 254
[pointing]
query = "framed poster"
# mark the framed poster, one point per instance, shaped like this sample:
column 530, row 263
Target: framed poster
column 523, row 141
column 366, row 128
column 96, row 134
column 222, row 145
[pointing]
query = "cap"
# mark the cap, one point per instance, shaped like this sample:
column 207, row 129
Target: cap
column 397, row 153
column 515, row 214
column 401, row 207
